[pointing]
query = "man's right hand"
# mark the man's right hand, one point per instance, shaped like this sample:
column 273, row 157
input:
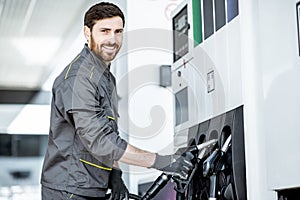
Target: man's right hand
column 176, row 165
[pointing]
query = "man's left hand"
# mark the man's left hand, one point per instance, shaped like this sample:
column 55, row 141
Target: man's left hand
column 117, row 186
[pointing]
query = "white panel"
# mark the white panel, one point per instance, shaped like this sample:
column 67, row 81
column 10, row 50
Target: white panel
column 280, row 63
column 252, row 94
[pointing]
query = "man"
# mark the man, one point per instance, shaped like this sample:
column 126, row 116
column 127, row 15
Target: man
column 84, row 146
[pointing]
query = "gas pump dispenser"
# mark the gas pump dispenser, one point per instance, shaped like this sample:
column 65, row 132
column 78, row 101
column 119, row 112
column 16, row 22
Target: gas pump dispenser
column 221, row 78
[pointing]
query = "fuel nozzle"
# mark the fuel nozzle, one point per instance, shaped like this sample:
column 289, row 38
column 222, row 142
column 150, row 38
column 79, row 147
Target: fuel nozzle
column 195, row 149
column 181, row 185
column 211, row 161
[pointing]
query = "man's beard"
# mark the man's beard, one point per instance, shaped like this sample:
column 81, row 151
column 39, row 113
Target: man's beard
column 97, row 49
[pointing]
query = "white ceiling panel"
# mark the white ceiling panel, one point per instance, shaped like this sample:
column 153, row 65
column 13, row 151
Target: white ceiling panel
column 34, row 34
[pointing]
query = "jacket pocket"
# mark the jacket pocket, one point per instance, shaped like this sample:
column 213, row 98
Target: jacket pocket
column 91, row 172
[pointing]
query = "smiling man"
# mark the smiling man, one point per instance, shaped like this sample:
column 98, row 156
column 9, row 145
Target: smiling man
column 105, row 37
column 84, row 145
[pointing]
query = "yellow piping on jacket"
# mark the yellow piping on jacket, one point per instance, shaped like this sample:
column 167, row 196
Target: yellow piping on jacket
column 92, row 72
column 95, row 165
column 110, row 117
column 70, row 66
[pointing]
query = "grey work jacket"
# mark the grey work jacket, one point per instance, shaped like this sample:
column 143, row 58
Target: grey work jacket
column 83, row 137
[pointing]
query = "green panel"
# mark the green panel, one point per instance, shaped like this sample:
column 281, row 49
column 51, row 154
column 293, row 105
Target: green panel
column 197, row 22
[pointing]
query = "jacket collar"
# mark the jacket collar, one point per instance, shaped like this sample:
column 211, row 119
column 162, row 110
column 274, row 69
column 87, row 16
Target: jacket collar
column 97, row 59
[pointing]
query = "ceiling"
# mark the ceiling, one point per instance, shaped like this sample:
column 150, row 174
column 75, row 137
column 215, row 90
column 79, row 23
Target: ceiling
column 36, row 37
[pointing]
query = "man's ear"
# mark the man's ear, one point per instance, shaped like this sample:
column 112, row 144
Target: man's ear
column 87, row 33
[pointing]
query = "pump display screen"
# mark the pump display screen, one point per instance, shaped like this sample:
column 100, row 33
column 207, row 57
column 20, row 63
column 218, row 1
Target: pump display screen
column 181, row 106
column 180, row 34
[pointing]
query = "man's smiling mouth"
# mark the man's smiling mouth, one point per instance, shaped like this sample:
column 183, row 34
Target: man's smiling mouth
column 109, row 48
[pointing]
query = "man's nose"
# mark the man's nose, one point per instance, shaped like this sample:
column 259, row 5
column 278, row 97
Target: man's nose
column 112, row 37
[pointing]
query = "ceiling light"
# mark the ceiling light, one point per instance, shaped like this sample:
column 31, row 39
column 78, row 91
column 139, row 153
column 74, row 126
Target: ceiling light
column 37, row 51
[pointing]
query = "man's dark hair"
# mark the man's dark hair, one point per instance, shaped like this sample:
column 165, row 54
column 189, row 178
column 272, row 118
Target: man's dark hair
column 100, row 11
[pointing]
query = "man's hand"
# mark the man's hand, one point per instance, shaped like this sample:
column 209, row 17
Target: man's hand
column 117, row 186
column 176, row 165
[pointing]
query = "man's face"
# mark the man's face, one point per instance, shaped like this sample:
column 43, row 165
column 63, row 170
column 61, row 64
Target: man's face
column 106, row 38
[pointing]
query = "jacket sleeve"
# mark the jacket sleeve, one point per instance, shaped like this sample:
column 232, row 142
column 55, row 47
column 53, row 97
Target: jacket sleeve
column 96, row 130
